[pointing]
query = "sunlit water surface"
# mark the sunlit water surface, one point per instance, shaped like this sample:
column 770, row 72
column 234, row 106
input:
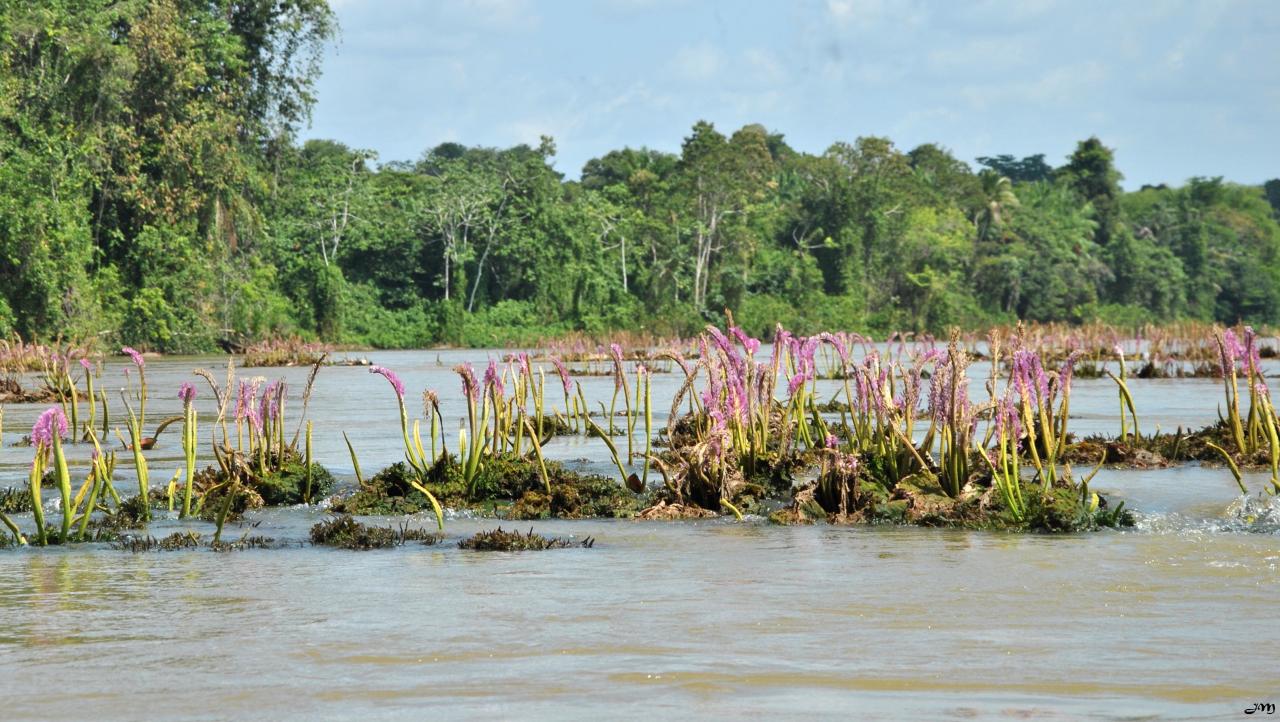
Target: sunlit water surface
column 1173, row 620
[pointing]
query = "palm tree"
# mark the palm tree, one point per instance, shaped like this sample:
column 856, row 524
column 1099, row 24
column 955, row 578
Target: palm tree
column 998, row 199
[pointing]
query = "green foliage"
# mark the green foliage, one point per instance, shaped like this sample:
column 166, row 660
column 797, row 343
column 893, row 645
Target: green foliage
column 1031, row 169
column 150, row 321
column 1124, row 316
column 1272, row 191
column 7, row 319
column 509, row 322
column 288, row 484
column 369, row 323
column 152, row 193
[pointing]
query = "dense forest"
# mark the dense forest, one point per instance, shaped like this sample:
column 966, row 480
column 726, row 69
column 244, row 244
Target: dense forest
column 153, row 192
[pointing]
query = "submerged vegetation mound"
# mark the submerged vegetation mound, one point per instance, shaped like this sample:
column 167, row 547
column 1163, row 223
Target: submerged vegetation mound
column 507, row 485
column 344, row 532
column 186, row 540
column 289, row 351
column 498, row 540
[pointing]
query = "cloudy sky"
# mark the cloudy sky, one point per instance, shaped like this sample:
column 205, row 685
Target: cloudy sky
column 1177, row 88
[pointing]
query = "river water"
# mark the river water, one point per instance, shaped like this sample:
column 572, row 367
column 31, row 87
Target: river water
column 1171, row 620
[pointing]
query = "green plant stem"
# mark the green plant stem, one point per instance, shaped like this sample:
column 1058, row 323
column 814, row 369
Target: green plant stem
column 64, row 485
column 306, row 496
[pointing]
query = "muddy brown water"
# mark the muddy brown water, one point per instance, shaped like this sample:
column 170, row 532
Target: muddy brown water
column 1171, row 620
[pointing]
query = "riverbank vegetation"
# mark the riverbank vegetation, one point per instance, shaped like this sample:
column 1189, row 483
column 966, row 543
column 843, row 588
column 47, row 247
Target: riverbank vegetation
column 154, row 193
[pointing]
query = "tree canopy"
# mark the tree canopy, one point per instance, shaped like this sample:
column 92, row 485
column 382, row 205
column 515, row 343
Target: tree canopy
column 153, row 192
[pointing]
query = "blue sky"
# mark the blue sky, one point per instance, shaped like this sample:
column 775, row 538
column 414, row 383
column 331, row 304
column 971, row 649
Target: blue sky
column 1178, row 89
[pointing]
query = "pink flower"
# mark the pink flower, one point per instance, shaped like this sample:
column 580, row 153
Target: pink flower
column 722, row 341
column 618, row 369
column 470, row 387
column 932, row 355
column 1030, row 378
column 1008, row 423
column 493, row 380
column 50, row 422
column 134, row 355
column 795, row 383
column 949, row 396
column 751, row 345
column 390, row 375
column 244, row 401
column 846, row 465
column 84, row 363
column 1230, row 349
column 187, row 392
column 270, row 405
column 841, row 348
column 1252, row 356
column 1067, row 371
column 564, row 375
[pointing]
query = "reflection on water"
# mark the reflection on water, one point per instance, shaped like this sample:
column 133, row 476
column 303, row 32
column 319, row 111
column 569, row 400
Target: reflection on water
column 708, row 618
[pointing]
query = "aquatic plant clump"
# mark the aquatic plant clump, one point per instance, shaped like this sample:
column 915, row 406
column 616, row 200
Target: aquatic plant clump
column 174, row 542
column 283, row 483
column 508, row 486
column 498, row 540
column 290, row 351
column 344, row 532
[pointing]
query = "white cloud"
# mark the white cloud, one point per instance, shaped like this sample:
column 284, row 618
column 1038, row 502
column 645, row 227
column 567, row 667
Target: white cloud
column 984, row 77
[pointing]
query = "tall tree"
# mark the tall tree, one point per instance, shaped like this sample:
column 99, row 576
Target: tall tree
column 1091, row 173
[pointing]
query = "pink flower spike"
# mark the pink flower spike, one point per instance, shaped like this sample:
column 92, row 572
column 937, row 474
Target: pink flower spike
column 493, row 379
column 564, row 375
column 750, row 345
column 269, row 406
column 50, row 422
column 133, row 354
column 390, row 375
column 795, row 383
column 470, row 387
column 187, row 392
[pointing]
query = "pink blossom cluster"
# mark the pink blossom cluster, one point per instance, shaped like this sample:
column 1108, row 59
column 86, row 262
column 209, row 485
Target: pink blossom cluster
column 390, row 376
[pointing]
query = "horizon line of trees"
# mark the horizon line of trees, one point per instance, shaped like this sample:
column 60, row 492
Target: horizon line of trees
column 152, row 192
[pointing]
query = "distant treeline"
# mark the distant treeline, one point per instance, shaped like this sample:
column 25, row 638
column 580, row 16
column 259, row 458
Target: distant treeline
column 153, row 192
